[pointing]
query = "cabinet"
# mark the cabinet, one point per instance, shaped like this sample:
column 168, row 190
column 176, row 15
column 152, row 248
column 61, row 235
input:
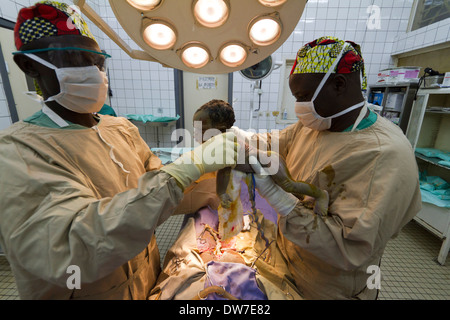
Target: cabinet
column 429, row 127
column 396, row 101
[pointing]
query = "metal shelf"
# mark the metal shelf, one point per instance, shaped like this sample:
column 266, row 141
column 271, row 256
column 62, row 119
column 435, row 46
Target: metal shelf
column 431, row 160
column 394, row 85
column 439, row 112
column 434, row 91
column 409, row 89
column 154, row 123
column 429, row 128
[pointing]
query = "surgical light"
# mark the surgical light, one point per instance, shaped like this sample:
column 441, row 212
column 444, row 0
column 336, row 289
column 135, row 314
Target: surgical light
column 224, row 36
column 159, row 36
column 195, row 56
column 233, row 55
column 144, row 4
column 265, row 31
column 272, row 3
column 211, row 13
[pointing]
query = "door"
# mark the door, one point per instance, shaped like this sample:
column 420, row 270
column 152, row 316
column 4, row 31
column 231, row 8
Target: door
column 197, row 90
column 19, row 84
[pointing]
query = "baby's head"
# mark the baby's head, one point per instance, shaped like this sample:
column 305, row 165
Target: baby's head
column 215, row 114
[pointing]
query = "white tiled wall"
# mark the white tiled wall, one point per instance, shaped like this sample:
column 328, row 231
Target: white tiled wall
column 434, row 34
column 145, row 87
column 343, row 19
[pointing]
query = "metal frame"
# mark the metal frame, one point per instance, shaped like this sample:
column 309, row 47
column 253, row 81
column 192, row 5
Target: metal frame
column 5, row 78
column 408, row 100
column 433, row 218
column 179, row 98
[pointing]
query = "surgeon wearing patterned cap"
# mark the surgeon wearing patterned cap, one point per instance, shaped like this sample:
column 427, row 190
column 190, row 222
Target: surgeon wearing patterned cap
column 81, row 193
column 362, row 161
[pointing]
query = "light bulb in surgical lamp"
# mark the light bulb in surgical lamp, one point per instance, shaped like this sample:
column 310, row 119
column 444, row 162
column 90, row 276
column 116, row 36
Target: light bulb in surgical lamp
column 233, row 55
column 272, row 3
column 265, row 31
column 195, row 57
column 159, row 36
column 144, row 4
column 211, row 13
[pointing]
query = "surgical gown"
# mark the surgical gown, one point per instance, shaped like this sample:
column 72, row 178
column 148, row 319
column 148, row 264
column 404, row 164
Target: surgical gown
column 64, row 202
column 372, row 179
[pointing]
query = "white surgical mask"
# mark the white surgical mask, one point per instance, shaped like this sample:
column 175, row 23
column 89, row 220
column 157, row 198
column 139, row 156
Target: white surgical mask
column 310, row 118
column 306, row 111
column 82, row 89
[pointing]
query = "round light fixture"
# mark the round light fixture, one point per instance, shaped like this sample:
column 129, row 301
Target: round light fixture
column 144, row 4
column 259, row 26
column 265, row 30
column 211, row 13
column 272, row 3
column 159, row 35
column 233, row 55
column 259, row 71
column 195, row 56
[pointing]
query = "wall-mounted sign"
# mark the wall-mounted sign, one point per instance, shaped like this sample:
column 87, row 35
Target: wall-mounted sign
column 206, row 83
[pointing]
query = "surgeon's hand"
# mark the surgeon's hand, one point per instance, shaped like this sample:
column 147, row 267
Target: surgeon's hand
column 277, row 168
column 219, row 152
column 283, row 202
column 242, row 135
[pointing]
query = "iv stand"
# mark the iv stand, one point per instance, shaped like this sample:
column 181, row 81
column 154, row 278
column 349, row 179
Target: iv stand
column 255, row 87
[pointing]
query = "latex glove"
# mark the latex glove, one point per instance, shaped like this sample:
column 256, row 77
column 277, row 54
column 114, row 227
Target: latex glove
column 280, row 174
column 242, row 135
column 245, row 139
column 283, row 202
column 219, row 152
